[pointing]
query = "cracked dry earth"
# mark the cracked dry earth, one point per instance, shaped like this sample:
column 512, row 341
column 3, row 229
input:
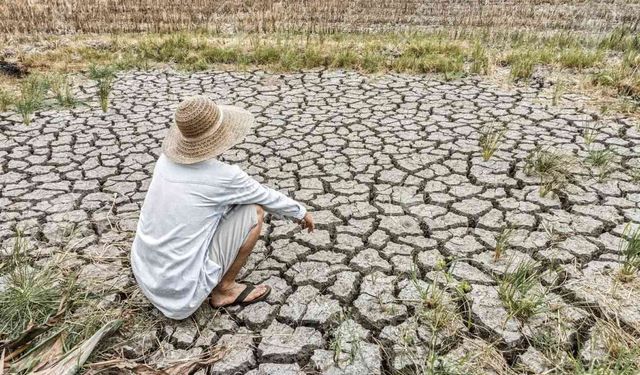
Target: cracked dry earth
column 406, row 210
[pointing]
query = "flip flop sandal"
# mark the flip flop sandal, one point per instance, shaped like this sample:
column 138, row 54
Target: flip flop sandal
column 240, row 300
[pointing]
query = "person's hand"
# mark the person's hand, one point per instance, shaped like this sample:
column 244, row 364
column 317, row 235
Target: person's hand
column 307, row 222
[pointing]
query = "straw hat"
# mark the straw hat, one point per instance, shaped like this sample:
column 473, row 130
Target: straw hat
column 204, row 130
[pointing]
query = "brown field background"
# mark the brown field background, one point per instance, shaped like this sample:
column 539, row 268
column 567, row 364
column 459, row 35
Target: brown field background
column 99, row 16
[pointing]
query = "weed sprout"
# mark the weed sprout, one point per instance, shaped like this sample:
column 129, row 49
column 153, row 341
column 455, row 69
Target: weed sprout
column 551, row 167
column 32, row 95
column 520, row 291
column 502, row 242
column 479, row 60
column 62, row 88
column 589, row 134
column 629, row 250
column 601, row 159
column 104, row 77
column 490, row 138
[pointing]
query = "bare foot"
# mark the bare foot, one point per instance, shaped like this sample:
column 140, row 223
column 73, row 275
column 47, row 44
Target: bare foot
column 222, row 296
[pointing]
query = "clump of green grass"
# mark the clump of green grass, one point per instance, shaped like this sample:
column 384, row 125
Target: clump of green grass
column 427, row 55
column 104, row 75
column 479, row 59
column 62, row 88
column 449, row 65
column 524, row 61
column 520, row 291
column 502, row 242
column 579, row 58
column 624, row 77
column 431, row 298
column 344, row 59
column 26, row 108
column 33, row 91
column 551, row 167
column 432, row 308
column 345, row 346
column 621, row 39
column 589, row 134
column 434, row 311
column 172, row 48
column 373, row 60
column 433, row 46
column 566, row 40
column 490, row 138
column 522, row 69
column 628, row 106
column 30, row 295
column 220, row 55
column 629, row 249
column 601, row 159
column 420, row 54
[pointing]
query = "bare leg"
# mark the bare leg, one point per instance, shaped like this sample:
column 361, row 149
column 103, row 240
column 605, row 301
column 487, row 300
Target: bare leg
column 228, row 289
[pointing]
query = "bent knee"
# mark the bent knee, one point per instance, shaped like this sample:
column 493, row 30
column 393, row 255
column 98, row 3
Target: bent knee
column 259, row 213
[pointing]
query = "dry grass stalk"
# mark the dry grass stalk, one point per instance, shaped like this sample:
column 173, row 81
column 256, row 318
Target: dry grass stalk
column 310, row 16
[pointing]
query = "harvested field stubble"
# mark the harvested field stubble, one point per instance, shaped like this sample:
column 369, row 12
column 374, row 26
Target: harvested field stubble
column 98, row 16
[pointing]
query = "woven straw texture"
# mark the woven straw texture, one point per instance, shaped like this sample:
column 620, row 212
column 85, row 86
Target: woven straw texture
column 203, row 130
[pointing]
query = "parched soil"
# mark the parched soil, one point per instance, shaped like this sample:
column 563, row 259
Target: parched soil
column 407, row 211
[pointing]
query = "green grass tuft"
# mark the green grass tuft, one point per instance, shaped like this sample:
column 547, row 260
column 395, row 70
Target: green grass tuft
column 599, row 158
column 33, row 91
column 621, row 39
column 62, row 88
column 29, row 296
column 629, row 250
column 522, row 69
column 578, row 58
column 623, row 77
column 589, row 134
column 551, row 167
column 502, row 242
column 479, row 59
column 602, row 160
column 490, row 138
column 521, row 292
column 104, row 75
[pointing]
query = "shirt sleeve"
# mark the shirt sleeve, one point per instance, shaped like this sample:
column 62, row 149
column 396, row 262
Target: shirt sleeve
column 246, row 190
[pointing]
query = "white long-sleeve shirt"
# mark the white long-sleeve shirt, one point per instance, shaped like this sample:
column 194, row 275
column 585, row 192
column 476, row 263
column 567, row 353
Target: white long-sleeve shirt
column 180, row 214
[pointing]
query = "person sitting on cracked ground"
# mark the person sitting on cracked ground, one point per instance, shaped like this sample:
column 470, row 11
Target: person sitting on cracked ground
column 202, row 217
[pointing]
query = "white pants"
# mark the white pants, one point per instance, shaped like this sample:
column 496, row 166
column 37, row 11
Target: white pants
column 231, row 233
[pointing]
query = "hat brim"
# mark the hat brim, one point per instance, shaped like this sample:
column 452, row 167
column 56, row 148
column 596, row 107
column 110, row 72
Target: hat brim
column 236, row 124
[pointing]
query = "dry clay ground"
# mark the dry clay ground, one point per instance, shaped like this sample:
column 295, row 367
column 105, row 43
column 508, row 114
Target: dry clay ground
column 402, row 262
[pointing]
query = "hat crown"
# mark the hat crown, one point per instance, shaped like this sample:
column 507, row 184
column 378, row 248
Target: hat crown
column 196, row 116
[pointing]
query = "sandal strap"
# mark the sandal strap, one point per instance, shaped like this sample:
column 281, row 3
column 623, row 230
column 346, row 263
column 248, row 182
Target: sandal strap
column 241, row 297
